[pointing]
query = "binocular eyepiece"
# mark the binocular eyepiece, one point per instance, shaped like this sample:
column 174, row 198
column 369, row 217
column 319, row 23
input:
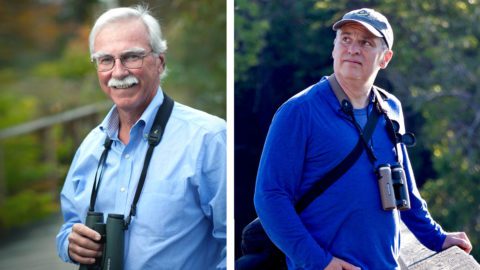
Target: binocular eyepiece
column 113, row 238
column 393, row 187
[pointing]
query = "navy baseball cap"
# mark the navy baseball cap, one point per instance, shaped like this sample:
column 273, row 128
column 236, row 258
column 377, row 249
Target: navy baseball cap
column 375, row 22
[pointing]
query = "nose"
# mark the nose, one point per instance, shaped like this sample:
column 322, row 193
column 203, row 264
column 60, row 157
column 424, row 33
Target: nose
column 354, row 48
column 119, row 71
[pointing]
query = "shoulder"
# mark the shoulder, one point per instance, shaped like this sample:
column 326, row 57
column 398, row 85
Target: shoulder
column 313, row 96
column 387, row 95
column 93, row 140
column 313, row 93
column 390, row 100
column 392, row 106
column 188, row 118
column 89, row 150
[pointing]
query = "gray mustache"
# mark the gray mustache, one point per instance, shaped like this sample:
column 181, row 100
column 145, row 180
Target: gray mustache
column 123, row 83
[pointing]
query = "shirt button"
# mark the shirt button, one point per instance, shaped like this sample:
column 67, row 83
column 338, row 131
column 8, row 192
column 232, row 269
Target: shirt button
column 127, row 156
column 122, row 189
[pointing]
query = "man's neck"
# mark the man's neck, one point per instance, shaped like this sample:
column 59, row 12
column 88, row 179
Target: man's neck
column 128, row 117
column 126, row 122
column 357, row 91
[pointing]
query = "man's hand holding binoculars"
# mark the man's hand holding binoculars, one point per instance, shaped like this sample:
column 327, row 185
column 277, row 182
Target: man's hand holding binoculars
column 83, row 244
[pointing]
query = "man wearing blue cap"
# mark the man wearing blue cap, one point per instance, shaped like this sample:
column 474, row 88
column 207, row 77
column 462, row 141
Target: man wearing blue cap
column 354, row 223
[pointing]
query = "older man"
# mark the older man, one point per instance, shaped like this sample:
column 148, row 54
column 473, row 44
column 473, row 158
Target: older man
column 177, row 218
column 350, row 225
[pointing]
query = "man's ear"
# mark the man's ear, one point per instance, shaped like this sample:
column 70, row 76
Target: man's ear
column 161, row 57
column 387, row 56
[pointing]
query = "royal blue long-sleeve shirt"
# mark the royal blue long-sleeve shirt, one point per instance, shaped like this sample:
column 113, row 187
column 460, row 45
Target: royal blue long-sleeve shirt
column 180, row 221
column 308, row 136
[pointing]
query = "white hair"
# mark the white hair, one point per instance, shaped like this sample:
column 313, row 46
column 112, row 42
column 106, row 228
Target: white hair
column 158, row 44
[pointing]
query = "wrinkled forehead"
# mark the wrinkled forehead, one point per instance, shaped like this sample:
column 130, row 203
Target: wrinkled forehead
column 354, row 28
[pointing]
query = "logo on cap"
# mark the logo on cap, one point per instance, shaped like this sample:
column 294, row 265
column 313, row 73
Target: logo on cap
column 363, row 12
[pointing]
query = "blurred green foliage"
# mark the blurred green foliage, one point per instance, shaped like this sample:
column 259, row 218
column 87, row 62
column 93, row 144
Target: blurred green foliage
column 45, row 69
column 249, row 26
column 281, row 47
column 29, row 206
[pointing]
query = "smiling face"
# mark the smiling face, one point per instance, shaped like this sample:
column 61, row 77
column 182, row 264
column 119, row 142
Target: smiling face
column 130, row 89
column 358, row 54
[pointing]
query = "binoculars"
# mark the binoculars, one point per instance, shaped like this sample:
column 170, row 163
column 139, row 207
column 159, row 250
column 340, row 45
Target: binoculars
column 113, row 238
column 393, row 187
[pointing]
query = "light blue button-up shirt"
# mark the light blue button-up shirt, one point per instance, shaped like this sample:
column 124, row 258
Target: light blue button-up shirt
column 180, row 221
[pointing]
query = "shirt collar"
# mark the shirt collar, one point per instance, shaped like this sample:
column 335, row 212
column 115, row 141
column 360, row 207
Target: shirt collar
column 340, row 93
column 150, row 112
column 110, row 124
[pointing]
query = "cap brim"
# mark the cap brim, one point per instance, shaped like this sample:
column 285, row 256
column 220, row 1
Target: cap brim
column 370, row 28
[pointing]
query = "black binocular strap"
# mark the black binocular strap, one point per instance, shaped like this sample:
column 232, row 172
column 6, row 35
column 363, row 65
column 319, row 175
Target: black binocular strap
column 154, row 138
column 334, row 174
column 98, row 177
column 391, row 132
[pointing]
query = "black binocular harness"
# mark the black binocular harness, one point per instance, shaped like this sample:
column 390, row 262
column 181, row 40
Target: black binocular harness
column 154, row 138
column 365, row 134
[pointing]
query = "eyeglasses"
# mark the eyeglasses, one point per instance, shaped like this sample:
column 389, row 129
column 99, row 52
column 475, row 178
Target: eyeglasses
column 130, row 60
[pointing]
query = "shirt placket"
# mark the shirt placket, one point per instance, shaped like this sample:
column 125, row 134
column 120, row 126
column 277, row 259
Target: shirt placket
column 123, row 180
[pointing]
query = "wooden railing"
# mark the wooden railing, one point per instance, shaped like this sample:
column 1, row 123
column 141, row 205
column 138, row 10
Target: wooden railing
column 73, row 122
column 415, row 256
